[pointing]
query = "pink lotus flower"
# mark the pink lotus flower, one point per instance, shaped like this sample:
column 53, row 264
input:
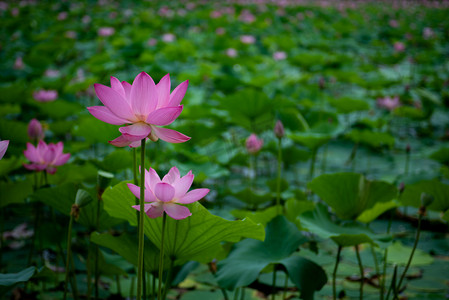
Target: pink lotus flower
column 168, row 37
column 51, row 73
column 253, row 144
column 399, row 46
column 3, row 147
column 388, row 103
column 19, row 232
column 166, row 194
column 35, row 131
column 45, row 157
column 247, row 39
column 45, row 95
column 279, row 55
column 144, row 105
column 231, row 52
column 18, row 63
column 106, row 31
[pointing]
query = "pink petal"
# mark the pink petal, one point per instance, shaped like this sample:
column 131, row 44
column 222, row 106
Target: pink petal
column 151, row 179
column 117, row 86
column 136, row 144
column 164, row 191
column 149, row 197
column 41, row 148
column 172, row 175
column 50, row 155
column 104, row 114
column 193, row 195
column 164, row 116
column 31, row 153
column 3, row 147
column 34, row 167
column 143, row 95
column 137, row 131
column 155, row 210
column 178, row 94
column 163, row 91
column 115, row 102
column 169, row 135
column 183, row 185
column 61, row 159
column 127, row 88
column 121, row 141
column 146, row 207
column 51, row 170
column 177, row 212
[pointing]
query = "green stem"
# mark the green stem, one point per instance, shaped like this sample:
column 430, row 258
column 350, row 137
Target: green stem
column 415, row 244
column 312, row 164
column 242, row 293
column 334, row 273
column 97, row 249
column 168, row 279
column 141, row 220
column 384, row 272
column 278, row 185
column 2, row 229
column 273, row 295
column 161, row 257
column 284, row 293
column 359, row 260
column 223, row 291
column 117, row 282
column 393, row 284
column 407, row 163
column 69, row 253
column 376, row 264
column 153, row 286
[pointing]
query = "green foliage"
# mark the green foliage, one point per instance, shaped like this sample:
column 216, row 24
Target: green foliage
column 440, row 192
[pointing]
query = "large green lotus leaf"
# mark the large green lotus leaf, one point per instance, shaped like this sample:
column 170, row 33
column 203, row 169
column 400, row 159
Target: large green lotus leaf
column 118, row 160
column 71, row 172
column 440, row 192
column 14, row 131
column 347, row 105
column 14, row 192
column 320, row 134
column 294, row 208
column 186, row 239
column 95, row 131
column 62, row 198
column 127, row 246
column 59, row 109
column 399, row 254
column 441, row 155
column 371, row 138
column 9, row 280
column 251, row 197
column 351, row 233
column 350, row 194
column 250, row 257
column 260, row 216
column 379, row 208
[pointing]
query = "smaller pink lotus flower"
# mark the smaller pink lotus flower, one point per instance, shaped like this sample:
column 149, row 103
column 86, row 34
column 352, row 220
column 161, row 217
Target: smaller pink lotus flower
column 71, row 34
column 62, row 16
column 3, row 147
column 231, row 52
column 45, row 95
column 45, row 157
column 35, row 131
column 51, row 73
column 166, row 194
column 393, row 23
column 18, row 63
column 399, row 46
column 106, row 31
column 247, row 39
column 279, row 55
column 168, row 37
column 279, row 130
column 253, row 144
column 388, row 103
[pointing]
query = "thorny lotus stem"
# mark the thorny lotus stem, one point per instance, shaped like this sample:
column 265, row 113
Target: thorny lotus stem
column 278, row 183
column 418, row 232
column 362, row 277
column 69, row 253
column 141, row 220
column 273, row 292
column 334, row 273
column 161, row 257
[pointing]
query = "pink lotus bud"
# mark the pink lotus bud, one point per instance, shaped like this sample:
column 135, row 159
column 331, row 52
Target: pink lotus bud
column 168, row 37
column 18, row 64
column 279, row 130
column 35, row 131
column 231, row 52
column 253, row 144
column 3, row 147
column 106, row 31
column 247, row 39
column 279, row 55
column 399, row 46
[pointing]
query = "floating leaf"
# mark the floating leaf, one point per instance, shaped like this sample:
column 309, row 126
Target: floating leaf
column 371, row 138
column 399, row 254
column 14, row 192
column 438, row 190
column 9, row 280
column 347, row 105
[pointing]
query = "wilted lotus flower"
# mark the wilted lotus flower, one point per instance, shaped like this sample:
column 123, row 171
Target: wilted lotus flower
column 35, row 131
column 144, row 105
column 168, row 37
column 231, row 52
column 3, row 146
column 166, row 194
column 45, row 157
column 253, row 144
column 388, row 103
column 399, row 46
column 45, row 95
column 279, row 130
column 247, row 39
column 106, row 31
column 279, row 55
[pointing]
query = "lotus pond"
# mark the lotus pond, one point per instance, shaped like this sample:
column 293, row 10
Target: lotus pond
column 281, row 150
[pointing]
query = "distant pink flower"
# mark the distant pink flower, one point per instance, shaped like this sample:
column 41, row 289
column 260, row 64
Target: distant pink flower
column 18, row 64
column 247, row 39
column 393, row 23
column 246, row 16
column 15, row 11
column 19, row 232
column 231, row 52
column 152, row 42
column 144, row 105
column 45, row 95
column 35, row 131
column 253, row 144
column 62, row 15
column 279, row 130
column 220, row 31
column 71, row 34
column 86, row 19
column 428, row 33
column 112, row 15
column 106, row 31
column 215, row 14
column 168, row 37
column 166, row 194
column 45, row 157
column 399, row 46
column 51, row 73
column 388, row 103
column 279, row 55
column 3, row 146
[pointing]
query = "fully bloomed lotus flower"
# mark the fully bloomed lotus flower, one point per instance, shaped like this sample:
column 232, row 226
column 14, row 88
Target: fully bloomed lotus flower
column 166, row 194
column 144, row 105
column 45, row 157
column 3, row 147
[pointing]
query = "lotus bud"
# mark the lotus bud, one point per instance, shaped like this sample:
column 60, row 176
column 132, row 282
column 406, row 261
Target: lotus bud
column 104, row 179
column 426, row 200
column 35, row 131
column 279, row 130
column 253, row 144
